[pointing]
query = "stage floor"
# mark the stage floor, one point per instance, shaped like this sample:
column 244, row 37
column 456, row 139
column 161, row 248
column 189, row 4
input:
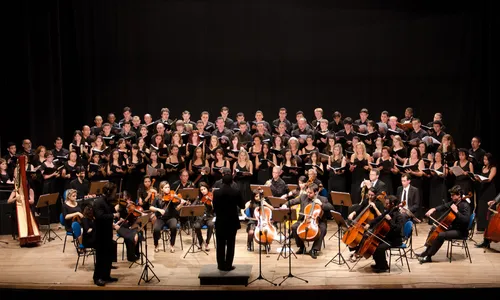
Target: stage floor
column 47, row 268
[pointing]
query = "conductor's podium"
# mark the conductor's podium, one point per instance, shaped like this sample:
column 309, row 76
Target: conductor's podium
column 210, row 275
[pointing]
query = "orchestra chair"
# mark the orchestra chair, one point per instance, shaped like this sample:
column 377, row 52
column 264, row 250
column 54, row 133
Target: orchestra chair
column 121, row 241
column 80, row 249
column 165, row 235
column 404, row 248
column 68, row 233
column 462, row 243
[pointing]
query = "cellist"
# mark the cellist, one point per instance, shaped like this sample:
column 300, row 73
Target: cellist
column 393, row 237
column 458, row 228
column 492, row 203
column 310, row 197
column 257, row 198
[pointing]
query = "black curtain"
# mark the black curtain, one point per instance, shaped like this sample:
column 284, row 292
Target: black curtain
column 72, row 60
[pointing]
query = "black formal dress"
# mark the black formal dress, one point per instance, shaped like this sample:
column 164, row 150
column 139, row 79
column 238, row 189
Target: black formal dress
column 486, row 193
column 226, row 202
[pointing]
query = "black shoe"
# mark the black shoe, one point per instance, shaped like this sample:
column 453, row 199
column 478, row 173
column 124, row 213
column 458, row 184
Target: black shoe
column 381, row 270
column 313, row 253
column 111, row 279
column 114, row 267
column 423, row 254
column 100, row 282
column 425, row 259
column 374, row 267
column 484, row 244
column 229, row 268
column 301, row 251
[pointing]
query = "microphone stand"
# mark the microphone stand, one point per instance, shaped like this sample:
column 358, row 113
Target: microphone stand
column 290, row 275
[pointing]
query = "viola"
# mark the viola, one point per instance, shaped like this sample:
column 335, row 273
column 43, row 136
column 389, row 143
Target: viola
column 308, row 230
column 207, row 199
column 264, row 232
column 492, row 232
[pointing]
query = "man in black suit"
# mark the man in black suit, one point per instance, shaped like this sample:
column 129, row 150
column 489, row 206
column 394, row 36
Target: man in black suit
column 226, row 202
column 409, row 195
column 310, row 197
column 104, row 214
column 374, row 182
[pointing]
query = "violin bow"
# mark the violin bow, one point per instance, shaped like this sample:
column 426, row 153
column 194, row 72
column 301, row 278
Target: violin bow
column 439, row 223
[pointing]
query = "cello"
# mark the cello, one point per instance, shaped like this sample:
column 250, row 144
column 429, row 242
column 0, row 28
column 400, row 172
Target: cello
column 264, row 232
column 29, row 234
column 441, row 224
column 492, row 232
column 308, row 230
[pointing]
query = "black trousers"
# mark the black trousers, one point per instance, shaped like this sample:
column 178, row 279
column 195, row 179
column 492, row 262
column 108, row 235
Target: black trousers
column 226, row 241
column 103, row 260
column 438, row 242
column 317, row 243
column 171, row 224
column 379, row 256
column 200, row 222
column 129, row 239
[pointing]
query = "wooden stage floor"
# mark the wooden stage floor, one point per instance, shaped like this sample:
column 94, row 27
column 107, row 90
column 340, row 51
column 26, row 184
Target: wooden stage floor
column 47, row 268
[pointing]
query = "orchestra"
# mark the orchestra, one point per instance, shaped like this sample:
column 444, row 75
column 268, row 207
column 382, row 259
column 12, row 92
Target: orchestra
column 383, row 164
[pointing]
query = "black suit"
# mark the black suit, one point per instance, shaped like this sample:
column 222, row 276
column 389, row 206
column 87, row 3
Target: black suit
column 225, row 203
column 413, row 199
column 103, row 212
column 380, row 186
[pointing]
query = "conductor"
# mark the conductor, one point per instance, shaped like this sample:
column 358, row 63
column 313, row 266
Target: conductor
column 104, row 214
column 226, row 201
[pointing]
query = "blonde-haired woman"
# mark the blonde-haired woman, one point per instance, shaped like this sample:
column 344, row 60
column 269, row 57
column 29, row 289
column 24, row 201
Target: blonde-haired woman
column 360, row 167
column 242, row 173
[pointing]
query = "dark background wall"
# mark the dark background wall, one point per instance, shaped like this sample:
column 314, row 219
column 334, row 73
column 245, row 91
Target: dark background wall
column 70, row 60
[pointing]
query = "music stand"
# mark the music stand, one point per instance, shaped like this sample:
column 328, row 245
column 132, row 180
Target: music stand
column 341, row 224
column 190, row 193
column 96, row 187
column 266, row 190
column 48, row 200
column 292, row 187
column 281, row 215
column 144, row 220
column 277, row 202
column 190, row 212
column 138, row 224
column 340, row 199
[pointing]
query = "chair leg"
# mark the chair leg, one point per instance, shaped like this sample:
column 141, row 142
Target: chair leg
column 467, row 252
column 415, row 226
column 390, row 259
column 180, row 237
column 64, row 246
column 77, row 261
column 451, row 249
column 84, row 256
column 406, row 257
column 164, row 237
column 448, row 250
column 123, row 250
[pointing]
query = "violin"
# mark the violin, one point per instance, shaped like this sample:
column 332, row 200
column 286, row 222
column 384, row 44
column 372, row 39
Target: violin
column 172, row 197
column 207, row 199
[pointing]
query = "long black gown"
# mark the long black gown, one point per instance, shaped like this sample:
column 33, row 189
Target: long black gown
column 486, row 193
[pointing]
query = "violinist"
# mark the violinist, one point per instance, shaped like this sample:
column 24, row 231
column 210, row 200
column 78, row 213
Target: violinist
column 166, row 206
column 393, row 237
column 256, row 200
column 126, row 226
column 207, row 218
column 304, row 200
column 458, row 228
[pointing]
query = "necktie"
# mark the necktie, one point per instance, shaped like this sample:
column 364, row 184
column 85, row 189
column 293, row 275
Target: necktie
column 404, row 195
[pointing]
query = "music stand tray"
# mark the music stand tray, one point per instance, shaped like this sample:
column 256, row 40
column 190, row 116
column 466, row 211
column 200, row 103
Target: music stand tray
column 189, row 193
column 96, row 187
column 192, row 211
column 292, row 187
column 48, row 200
column 266, row 190
column 341, row 199
column 277, row 201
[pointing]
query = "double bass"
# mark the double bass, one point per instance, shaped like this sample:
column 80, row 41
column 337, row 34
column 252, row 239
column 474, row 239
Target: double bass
column 264, row 232
column 492, row 232
column 29, row 234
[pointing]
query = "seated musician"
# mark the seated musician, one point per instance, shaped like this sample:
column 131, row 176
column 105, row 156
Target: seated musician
column 257, row 197
column 304, row 200
column 71, row 210
column 393, row 237
column 458, row 228
column 277, row 185
column 312, row 175
column 167, row 209
column 127, row 228
column 492, row 203
column 88, row 228
column 376, row 207
column 80, row 184
column 207, row 218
